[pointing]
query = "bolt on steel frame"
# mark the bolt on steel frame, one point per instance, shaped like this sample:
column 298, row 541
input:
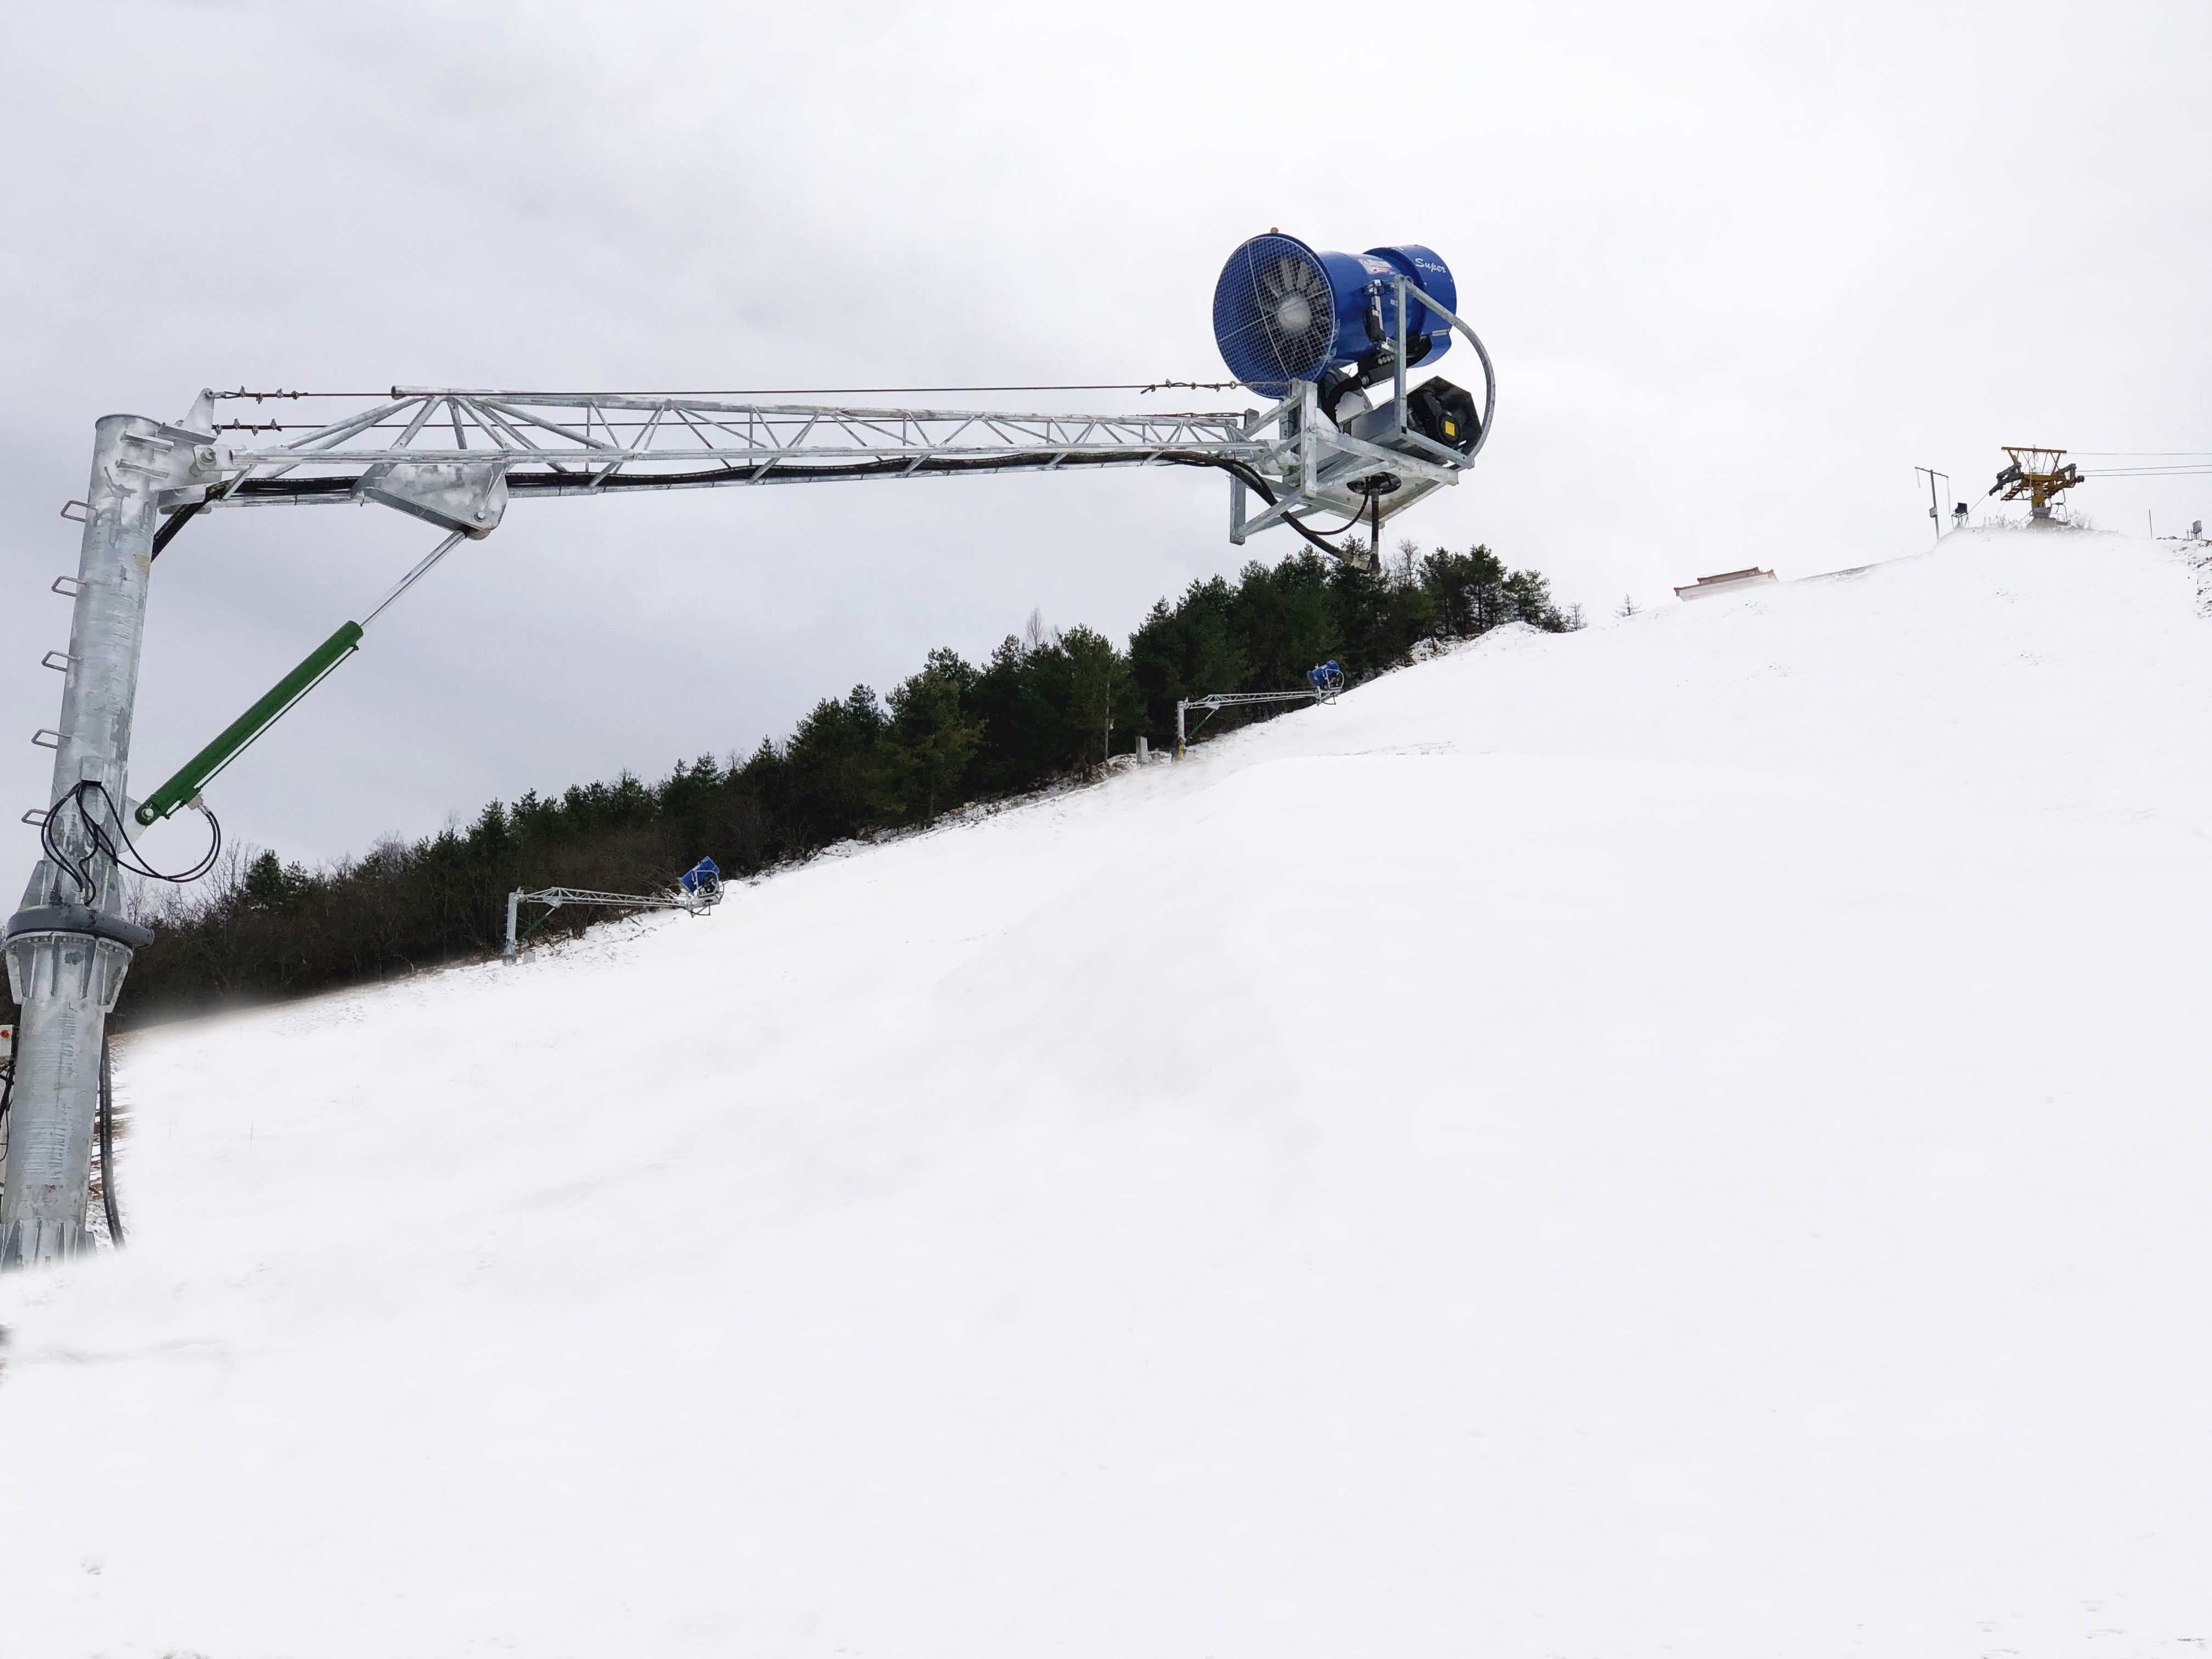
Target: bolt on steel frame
column 454, row 458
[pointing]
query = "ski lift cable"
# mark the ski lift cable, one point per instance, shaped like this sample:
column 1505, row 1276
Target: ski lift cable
column 2146, row 472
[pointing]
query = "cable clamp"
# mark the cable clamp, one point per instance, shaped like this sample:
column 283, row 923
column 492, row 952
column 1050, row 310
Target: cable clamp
column 36, row 816
column 85, row 518
column 42, row 736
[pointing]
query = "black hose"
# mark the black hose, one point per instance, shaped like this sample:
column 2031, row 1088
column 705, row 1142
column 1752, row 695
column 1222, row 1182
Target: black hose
column 167, row 532
column 107, row 1147
column 1253, row 481
column 531, row 484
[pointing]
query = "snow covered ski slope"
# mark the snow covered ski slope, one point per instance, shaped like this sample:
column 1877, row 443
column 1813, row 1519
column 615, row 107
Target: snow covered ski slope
column 1691, row 1137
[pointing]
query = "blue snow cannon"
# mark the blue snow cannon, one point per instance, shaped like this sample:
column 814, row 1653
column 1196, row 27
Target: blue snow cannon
column 1284, row 312
column 1327, row 677
column 703, row 879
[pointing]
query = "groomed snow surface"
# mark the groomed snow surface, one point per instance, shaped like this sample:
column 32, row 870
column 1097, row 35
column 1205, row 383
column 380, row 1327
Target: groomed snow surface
column 1688, row 1138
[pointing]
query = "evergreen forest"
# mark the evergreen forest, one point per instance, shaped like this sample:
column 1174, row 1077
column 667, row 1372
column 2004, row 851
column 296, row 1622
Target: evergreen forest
column 1041, row 710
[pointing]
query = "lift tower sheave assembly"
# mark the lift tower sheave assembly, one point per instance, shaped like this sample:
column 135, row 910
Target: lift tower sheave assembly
column 2036, row 475
column 1312, row 333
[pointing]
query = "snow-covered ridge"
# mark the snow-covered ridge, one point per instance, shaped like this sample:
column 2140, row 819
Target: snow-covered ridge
column 1688, row 1136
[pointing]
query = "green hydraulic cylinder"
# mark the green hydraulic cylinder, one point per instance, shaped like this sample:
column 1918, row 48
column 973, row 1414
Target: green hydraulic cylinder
column 183, row 789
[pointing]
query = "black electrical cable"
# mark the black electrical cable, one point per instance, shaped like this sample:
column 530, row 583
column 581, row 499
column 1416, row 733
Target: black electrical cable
column 167, row 532
column 541, row 484
column 119, row 848
column 1254, row 482
column 107, row 1147
column 56, row 853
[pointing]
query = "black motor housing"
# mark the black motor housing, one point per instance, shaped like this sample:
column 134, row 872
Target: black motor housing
column 1444, row 414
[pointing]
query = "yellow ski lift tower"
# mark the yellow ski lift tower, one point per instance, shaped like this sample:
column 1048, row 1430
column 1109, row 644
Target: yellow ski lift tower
column 2037, row 475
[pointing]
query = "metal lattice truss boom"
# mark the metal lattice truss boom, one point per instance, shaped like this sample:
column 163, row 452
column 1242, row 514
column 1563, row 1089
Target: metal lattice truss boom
column 455, row 457
column 695, row 903
column 556, row 896
column 586, row 443
column 1214, row 702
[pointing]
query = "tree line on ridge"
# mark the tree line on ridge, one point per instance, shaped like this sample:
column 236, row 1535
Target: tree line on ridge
column 1042, row 707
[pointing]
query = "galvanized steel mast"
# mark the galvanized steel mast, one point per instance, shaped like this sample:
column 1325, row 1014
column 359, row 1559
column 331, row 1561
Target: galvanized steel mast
column 69, row 946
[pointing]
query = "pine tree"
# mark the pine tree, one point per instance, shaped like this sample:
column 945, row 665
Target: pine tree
column 926, row 744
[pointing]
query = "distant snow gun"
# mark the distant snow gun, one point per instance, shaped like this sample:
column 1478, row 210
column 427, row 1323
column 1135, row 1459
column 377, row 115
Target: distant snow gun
column 697, row 891
column 1322, row 684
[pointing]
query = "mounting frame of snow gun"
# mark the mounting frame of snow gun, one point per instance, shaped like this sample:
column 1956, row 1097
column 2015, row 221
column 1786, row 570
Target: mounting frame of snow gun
column 696, row 903
column 1323, row 684
column 70, row 943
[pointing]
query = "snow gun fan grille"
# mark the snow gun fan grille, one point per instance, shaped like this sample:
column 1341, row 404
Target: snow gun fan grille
column 1275, row 314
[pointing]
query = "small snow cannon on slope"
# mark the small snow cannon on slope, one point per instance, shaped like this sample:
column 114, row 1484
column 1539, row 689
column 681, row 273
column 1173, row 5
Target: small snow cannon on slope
column 697, row 891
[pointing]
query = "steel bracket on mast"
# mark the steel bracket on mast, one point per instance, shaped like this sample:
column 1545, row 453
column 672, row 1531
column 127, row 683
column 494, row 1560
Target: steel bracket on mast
column 470, row 496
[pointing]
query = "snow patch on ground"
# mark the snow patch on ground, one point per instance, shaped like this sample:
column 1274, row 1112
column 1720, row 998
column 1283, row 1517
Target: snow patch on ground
column 1685, row 1136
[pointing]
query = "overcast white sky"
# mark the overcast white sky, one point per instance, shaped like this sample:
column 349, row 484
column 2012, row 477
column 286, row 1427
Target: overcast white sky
column 1741, row 268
